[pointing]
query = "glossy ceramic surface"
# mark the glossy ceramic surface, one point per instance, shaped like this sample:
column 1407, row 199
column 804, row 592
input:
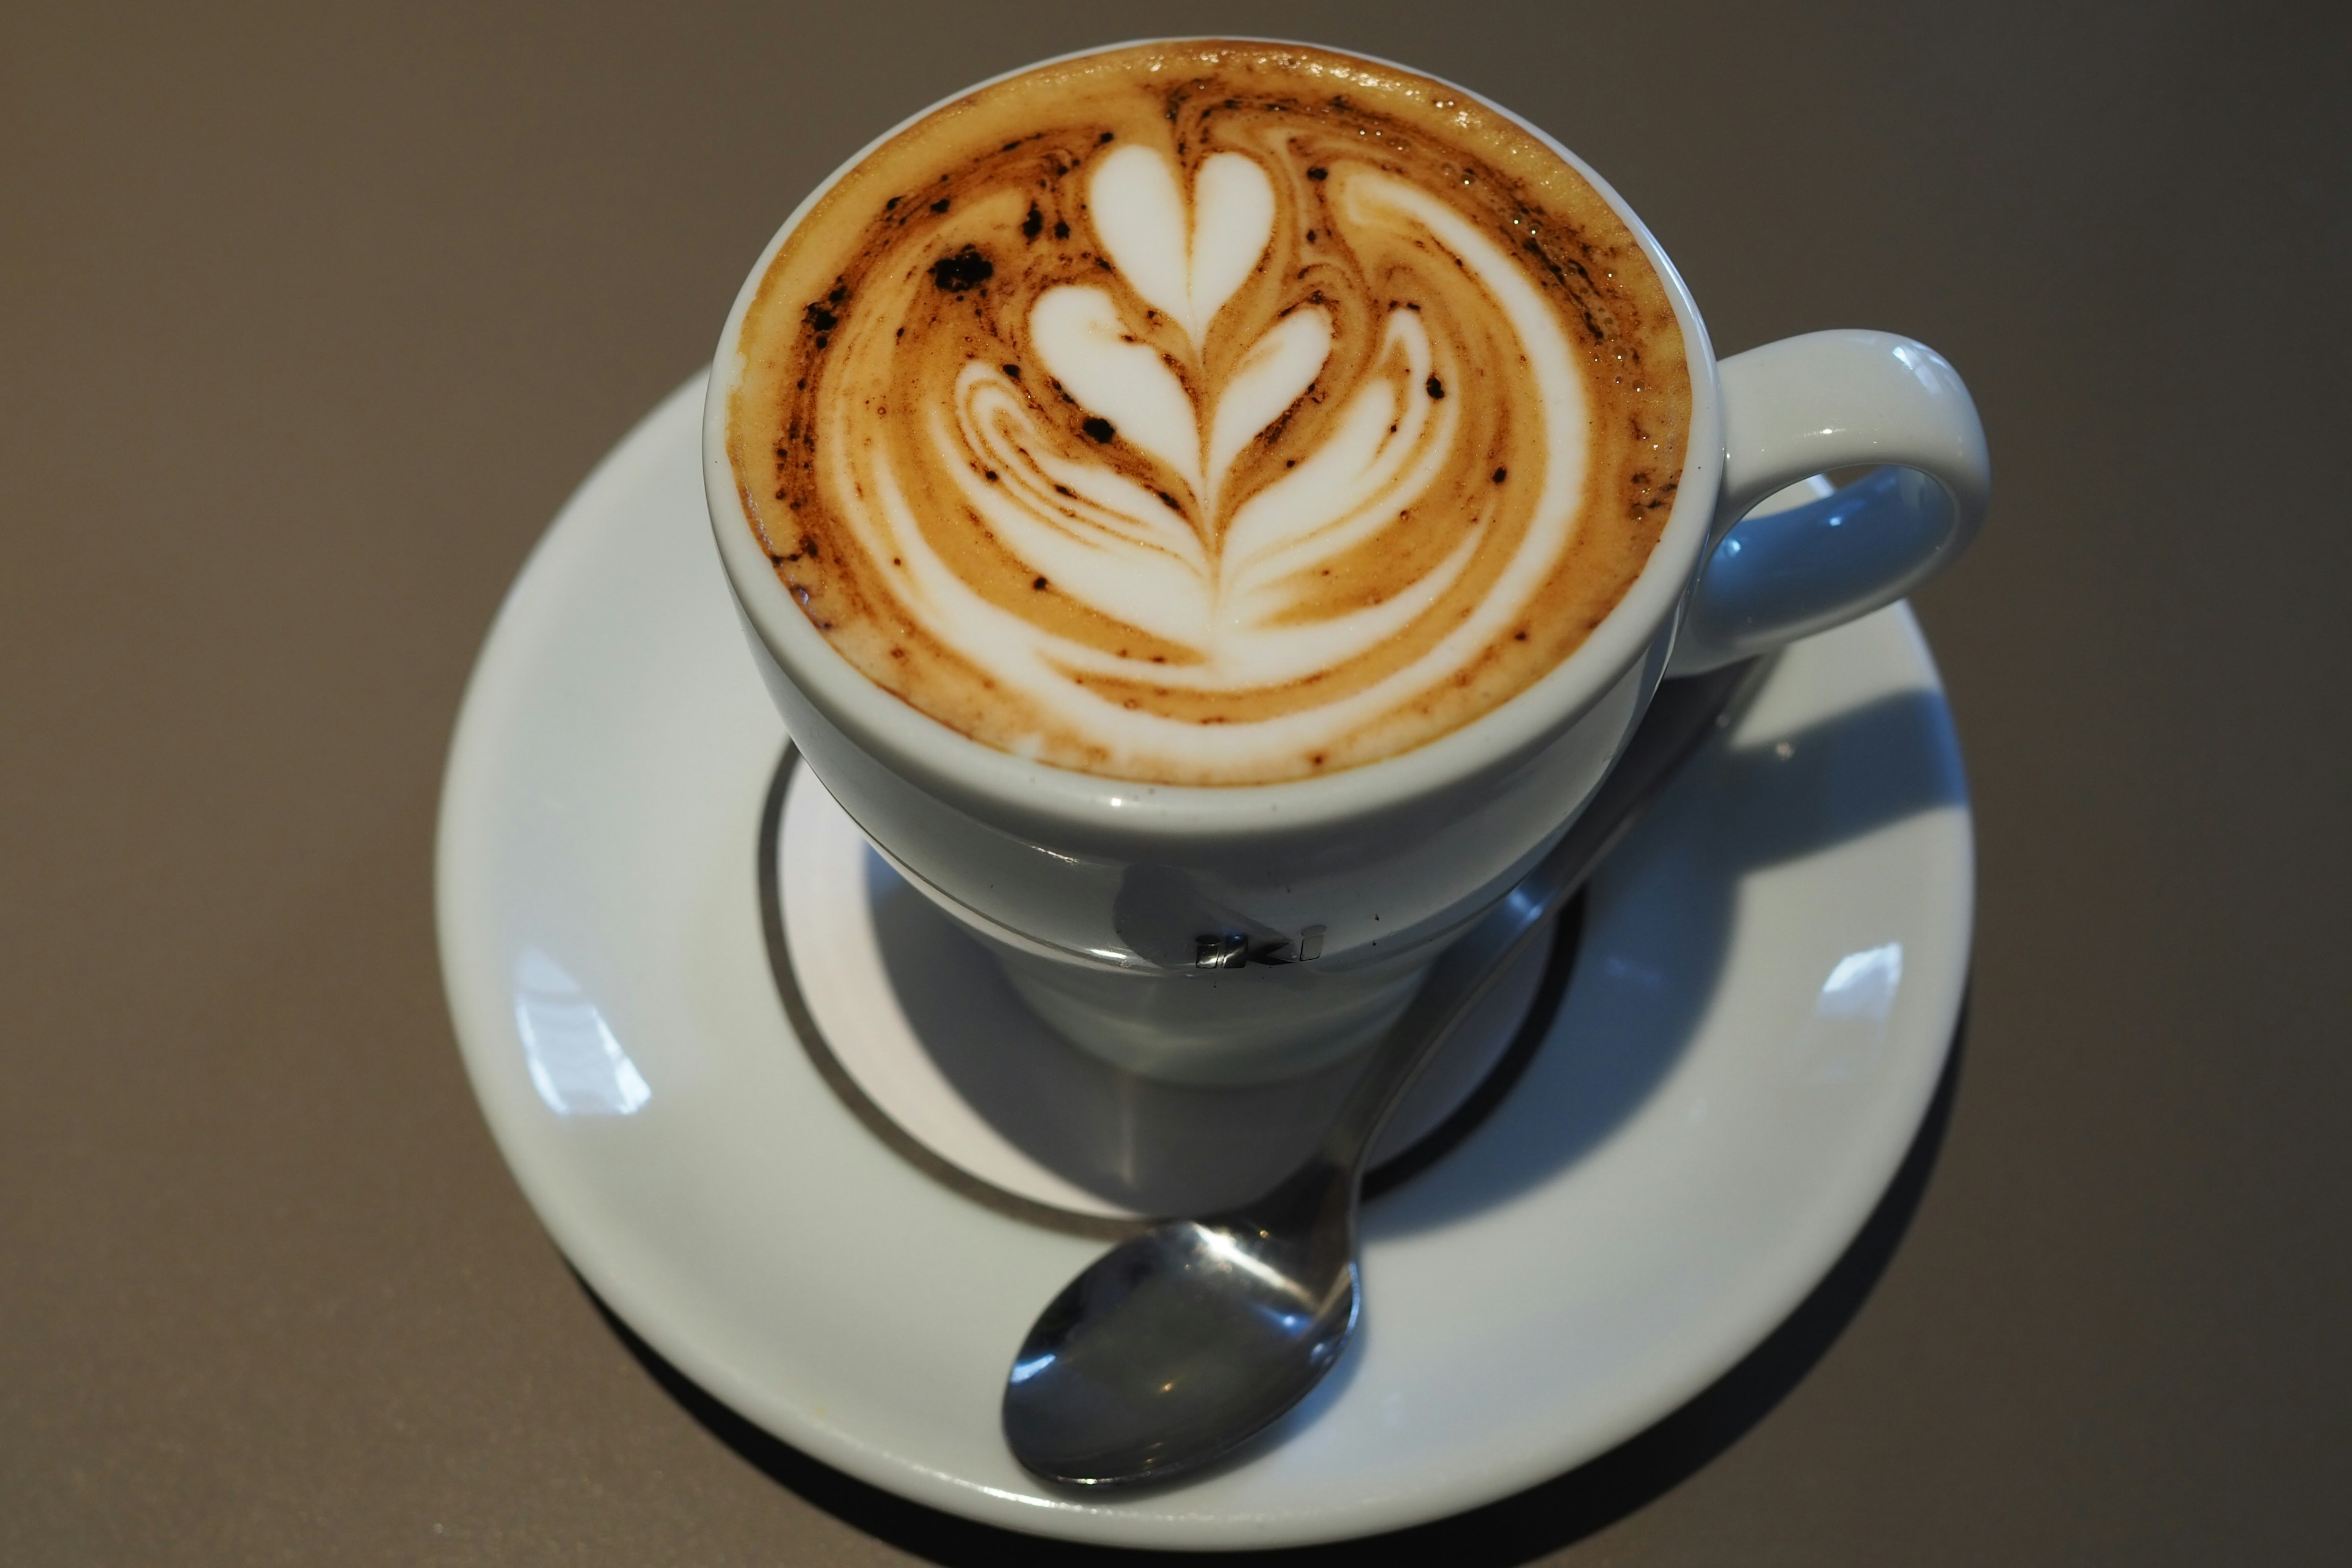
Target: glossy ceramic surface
column 1766, row 992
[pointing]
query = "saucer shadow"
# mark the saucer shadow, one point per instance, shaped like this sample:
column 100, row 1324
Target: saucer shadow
column 1544, row 1519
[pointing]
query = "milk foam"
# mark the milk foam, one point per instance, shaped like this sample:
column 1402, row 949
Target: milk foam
column 1234, row 457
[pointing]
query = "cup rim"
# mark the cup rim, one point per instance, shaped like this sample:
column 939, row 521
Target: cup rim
column 948, row 762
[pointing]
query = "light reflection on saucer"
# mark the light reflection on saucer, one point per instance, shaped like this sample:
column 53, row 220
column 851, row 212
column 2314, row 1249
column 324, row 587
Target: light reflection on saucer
column 576, row 1065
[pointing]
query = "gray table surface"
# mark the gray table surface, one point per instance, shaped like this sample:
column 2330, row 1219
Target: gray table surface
column 311, row 317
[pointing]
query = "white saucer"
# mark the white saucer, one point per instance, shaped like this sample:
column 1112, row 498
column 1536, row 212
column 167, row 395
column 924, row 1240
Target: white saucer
column 1768, row 983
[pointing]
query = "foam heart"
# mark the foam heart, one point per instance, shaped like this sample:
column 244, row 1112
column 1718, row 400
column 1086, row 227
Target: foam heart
column 1186, row 269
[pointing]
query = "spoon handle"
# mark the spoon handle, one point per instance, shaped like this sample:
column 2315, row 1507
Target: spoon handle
column 1682, row 714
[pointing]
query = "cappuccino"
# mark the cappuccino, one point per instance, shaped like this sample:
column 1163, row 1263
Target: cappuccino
column 1209, row 412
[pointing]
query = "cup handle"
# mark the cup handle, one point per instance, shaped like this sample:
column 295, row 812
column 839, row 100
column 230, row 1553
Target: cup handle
column 1803, row 406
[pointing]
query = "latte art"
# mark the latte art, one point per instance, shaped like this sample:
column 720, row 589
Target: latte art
column 1209, row 414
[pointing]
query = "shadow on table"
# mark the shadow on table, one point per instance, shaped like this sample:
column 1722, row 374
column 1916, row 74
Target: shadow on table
column 1540, row 1520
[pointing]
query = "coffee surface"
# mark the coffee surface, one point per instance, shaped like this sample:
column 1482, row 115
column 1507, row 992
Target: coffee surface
column 1209, row 412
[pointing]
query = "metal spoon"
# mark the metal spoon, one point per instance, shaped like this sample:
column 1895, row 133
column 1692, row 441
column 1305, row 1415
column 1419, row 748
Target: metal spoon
column 1182, row 1344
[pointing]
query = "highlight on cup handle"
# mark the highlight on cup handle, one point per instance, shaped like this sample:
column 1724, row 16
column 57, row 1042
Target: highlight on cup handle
column 1805, row 405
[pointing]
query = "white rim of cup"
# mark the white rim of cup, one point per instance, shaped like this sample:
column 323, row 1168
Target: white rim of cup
column 950, row 763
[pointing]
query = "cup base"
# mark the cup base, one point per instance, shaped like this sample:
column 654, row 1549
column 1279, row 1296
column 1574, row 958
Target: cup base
column 914, row 1025
column 1216, row 1029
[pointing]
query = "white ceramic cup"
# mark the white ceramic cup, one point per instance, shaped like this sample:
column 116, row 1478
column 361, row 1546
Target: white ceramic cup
column 1119, row 909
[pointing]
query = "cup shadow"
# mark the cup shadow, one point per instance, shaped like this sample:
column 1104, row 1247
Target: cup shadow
column 1646, row 972
column 1658, row 933
column 1529, row 1524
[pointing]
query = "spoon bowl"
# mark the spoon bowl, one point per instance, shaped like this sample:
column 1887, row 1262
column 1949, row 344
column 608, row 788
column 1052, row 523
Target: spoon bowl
column 1183, row 1342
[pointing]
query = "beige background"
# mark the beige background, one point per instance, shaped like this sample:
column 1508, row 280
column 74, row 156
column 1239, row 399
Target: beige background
column 311, row 317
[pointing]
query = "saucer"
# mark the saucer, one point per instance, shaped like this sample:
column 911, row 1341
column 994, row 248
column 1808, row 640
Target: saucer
column 1766, row 987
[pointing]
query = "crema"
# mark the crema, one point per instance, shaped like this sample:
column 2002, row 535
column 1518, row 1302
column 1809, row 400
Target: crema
column 1209, row 412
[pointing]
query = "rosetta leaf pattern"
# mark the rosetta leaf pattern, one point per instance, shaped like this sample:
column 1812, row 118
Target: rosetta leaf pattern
column 1209, row 571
